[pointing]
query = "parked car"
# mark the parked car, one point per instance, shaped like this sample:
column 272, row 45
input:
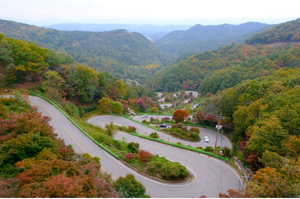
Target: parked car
column 206, row 139
column 144, row 116
column 132, row 113
column 165, row 105
column 163, row 126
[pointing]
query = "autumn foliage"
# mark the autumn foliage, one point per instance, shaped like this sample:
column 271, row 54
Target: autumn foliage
column 144, row 156
column 60, row 178
column 36, row 163
column 180, row 115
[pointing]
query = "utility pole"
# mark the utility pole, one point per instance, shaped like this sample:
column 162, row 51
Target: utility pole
column 192, row 113
column 218, row 127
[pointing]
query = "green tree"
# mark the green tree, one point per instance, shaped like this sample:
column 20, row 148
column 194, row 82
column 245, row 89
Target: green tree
column 266, row 135
column 17, row 149
column 116, row 107
column 53, row 84
column 104, row 105
column 129, row 187
column 85, row 81
column 110, row 129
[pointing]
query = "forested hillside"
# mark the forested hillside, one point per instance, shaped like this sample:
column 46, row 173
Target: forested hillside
column 224, row 68
column 202, row 38
column 287, row 32
column 265, row 115
column 123, row 54
column 229, row 65
column 34, row 161
column 46, row 71
column 153, row 32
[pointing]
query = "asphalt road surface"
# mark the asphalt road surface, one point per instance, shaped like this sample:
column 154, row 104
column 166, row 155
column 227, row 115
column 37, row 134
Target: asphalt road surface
column 222, row 140
column 211, row 175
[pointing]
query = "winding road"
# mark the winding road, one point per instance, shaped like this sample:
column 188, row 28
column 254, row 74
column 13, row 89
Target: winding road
column 211, row 175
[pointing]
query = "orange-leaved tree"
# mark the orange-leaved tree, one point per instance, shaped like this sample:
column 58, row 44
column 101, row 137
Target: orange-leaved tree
column 180, row 115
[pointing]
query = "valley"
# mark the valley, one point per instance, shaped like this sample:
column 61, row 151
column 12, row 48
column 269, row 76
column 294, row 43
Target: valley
column 173, row 118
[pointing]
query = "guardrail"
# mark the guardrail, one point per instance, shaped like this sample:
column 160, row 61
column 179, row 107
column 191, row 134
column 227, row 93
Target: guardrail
column 182, row 146
column 99, row 144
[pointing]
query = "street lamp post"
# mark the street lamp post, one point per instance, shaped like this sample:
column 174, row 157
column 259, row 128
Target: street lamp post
column 192, row 114
column 218, row 127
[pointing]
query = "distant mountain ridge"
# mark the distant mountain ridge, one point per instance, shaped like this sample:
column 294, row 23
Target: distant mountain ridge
column 178, row 42
column 153, row 32
column 123, row 54
column 285, row 32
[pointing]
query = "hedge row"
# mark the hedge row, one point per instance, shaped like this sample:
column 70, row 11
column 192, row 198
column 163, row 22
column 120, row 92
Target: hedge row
column 181, row 146
column 76, row 125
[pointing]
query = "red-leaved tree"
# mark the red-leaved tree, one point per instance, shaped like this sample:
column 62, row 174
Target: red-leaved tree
column 180, row 115
column 141, row 103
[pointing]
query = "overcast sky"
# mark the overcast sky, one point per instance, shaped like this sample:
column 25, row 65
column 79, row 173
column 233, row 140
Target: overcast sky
column 157, row 11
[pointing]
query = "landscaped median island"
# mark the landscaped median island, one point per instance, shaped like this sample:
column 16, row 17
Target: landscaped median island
column 182, row 146
column 180, row 131
column 144, row 162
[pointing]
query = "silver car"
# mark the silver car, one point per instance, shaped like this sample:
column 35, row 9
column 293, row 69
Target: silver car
column 206, row 139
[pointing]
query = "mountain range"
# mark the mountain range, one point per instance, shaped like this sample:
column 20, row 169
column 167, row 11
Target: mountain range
column 201, row 38
column 124, row 54
column 152, row 32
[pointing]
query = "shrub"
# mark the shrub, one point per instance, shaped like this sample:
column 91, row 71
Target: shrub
column 129, row 156
column 179, row 125
column 154, row 110
column 209, row 149
column 133, row 147
column 195, row 136
column 154, row 135
column 129, row 187
column 144, row 156
column 117, row 144
column 194, row 129
column 174, row 126
column 200, row 148
column 145, row 122
column 174, row 171
column 132, row 128
column 124, row 128
column 165, row 119
column 227, row 152
column 110, row 129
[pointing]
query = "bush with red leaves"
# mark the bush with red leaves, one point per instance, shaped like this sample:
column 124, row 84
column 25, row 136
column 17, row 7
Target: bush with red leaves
column 144, row 156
